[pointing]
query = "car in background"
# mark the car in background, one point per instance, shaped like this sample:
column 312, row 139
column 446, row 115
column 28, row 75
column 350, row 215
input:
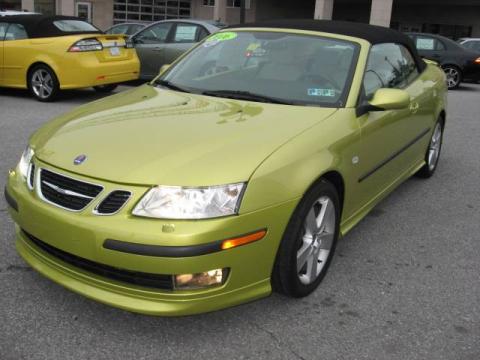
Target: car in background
column 470, row 43
column 198, row 191
column 459, row 63
column 46, row 54
column 126, row 28
column 164, row 41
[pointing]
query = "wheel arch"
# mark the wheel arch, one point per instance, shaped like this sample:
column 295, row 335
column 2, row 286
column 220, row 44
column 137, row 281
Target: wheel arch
column 36, row 63
column 337, row 180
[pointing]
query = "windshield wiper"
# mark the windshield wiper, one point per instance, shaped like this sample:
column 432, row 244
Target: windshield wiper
column 245, row 95
column 169, row 85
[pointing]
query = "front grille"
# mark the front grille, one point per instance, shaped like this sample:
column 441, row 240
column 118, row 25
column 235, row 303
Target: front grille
column 113, row 202
column 157, row 281
column 66, row 192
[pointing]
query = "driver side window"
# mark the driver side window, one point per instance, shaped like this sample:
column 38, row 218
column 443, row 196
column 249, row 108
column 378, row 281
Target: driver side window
column 156, row 34
column 389, row 66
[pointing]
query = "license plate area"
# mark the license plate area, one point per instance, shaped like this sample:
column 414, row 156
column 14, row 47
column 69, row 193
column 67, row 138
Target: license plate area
column 114, row 51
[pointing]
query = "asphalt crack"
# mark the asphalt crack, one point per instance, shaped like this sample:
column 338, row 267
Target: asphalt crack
column 278, row 341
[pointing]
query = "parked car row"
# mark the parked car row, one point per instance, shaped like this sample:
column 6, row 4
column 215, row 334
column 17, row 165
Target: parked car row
column 459, row 60
column 46, row 54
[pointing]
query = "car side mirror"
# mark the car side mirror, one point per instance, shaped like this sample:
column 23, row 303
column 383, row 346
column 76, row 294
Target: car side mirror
column 385, row 99
column 164, row 68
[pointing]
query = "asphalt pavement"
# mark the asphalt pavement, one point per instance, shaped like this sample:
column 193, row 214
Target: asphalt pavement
column 405, row 283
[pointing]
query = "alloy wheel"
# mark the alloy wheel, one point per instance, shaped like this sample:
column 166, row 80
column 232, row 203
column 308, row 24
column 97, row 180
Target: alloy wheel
column 453, row 77
column 434, row 147
column 317, row 240
column 42, row 83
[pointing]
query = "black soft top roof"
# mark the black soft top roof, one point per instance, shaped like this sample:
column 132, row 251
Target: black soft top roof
column 371, row 33
column 39, row 26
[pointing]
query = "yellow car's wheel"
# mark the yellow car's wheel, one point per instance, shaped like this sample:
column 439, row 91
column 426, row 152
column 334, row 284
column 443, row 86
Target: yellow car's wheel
column 309, row 242
column 43, row 83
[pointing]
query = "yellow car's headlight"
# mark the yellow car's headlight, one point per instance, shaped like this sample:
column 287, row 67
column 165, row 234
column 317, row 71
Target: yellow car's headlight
column 176, row 202
column 24, row 162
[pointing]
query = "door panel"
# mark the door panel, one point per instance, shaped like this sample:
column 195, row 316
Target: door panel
column 150, row 45
column 392, row 140
column 3, row 30
column 16, row 54
column 184, row 36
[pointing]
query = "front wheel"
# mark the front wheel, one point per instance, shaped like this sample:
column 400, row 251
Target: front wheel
column 105, row 88
column 433, row 152
column 309, row 242
column 43, row 83
column 454, row 76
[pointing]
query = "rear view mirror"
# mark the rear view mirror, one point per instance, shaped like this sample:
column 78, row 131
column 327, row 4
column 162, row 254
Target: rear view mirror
column 385, row 99
column 390, row 99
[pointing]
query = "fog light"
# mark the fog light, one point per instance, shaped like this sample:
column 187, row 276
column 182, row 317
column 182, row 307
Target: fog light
column 201, row 280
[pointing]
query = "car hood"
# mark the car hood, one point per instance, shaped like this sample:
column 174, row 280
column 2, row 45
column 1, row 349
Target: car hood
column 151, row 136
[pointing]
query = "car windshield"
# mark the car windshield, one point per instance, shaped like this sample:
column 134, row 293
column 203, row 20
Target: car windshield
column 74, row 26
column 268, row 67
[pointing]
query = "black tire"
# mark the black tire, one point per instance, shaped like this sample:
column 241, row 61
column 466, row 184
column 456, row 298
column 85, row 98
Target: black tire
column 105, row 89
column 285, row 277
column 43, row 83
column 429, row 168
column 455, row 82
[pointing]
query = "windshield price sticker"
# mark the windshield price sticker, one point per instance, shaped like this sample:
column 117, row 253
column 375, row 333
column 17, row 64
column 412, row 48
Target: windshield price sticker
column 217, row 38
column 321, row 92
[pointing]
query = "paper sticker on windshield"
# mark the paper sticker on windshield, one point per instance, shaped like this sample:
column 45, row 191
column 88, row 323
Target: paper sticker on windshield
column 321, row 92
column 217, row 38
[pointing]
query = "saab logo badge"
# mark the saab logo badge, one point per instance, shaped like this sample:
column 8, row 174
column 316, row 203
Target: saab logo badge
column 80, row 159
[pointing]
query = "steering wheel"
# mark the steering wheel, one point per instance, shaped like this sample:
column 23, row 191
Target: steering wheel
column 211, row 68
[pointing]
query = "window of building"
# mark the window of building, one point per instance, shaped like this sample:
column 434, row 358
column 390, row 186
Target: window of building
column 150, row 10
column 230, row 3
column 389, row 66
column 84, row 11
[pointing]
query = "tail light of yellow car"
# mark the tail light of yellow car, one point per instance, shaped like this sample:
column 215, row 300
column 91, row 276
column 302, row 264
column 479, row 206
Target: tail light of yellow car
column 86, row 45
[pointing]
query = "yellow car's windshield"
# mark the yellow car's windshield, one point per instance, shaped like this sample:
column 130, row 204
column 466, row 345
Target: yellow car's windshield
column 269, row 67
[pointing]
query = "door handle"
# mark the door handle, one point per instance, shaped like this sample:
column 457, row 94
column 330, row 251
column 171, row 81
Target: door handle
column 414, row 107
column 158, row 49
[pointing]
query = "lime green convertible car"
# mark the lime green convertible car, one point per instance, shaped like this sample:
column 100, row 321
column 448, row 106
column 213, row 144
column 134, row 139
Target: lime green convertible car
column 232, row 173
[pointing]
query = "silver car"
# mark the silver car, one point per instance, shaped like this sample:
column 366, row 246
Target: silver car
column 163, row 41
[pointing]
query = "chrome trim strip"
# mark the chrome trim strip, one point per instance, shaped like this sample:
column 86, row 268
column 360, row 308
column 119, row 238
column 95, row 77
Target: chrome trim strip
column 393, row 156
column 29, row 172
column 65, row 191
column 40, row 195
column 95, row 212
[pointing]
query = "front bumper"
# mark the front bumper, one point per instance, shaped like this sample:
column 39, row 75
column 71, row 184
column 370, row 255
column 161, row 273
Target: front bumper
column 83, row 234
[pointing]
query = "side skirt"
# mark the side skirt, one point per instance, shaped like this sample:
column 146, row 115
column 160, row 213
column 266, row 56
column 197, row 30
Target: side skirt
column 353, row 220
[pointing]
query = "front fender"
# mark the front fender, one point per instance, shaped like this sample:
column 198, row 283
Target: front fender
column 290, row 171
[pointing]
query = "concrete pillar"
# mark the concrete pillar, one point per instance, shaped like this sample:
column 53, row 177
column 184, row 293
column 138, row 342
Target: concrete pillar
column 28, row 5
column 381, row 12
column 323, row 9
column 220, row 11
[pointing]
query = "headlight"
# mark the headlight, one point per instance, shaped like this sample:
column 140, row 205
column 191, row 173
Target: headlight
column 176, row 202
column 25, row 161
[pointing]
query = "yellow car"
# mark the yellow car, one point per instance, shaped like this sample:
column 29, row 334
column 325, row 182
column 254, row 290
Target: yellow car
column 47, row 54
